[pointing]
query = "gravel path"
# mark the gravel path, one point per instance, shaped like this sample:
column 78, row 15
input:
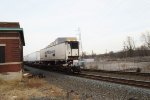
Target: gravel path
column 94, row 90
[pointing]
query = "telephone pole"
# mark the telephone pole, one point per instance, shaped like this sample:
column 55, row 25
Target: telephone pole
column 80, row 41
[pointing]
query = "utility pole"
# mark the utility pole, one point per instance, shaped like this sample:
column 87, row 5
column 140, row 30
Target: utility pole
column 80, row 41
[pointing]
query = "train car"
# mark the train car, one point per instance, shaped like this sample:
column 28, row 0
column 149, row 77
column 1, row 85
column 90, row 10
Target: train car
column 60, row 54
column 32, row 58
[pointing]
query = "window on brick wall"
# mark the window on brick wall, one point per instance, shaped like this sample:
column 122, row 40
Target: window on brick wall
column 2, row 54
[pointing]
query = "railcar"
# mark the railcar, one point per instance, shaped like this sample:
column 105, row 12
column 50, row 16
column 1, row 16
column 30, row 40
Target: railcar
column 32, row 58
column 60, row 55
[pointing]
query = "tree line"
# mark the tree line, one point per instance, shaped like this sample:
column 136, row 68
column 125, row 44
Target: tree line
column 129, row 48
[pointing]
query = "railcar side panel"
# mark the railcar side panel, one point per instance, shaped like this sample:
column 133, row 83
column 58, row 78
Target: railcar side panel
column 33, row 57
column 56, row 52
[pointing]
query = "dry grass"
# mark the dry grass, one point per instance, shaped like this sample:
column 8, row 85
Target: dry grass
column 33, row 88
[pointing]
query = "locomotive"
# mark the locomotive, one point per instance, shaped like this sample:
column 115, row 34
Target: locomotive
column 58, row 55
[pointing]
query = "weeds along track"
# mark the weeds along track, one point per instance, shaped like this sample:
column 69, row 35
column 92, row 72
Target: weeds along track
column 136, row 83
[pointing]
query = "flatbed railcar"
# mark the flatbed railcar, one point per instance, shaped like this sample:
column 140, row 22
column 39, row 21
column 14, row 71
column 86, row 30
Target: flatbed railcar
column 59, row 55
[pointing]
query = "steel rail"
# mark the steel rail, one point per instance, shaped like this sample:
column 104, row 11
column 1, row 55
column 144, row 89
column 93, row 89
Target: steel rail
column 137, row 83
column 117, row 72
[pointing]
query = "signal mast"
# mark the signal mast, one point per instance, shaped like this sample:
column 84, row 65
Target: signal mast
column 80, row 44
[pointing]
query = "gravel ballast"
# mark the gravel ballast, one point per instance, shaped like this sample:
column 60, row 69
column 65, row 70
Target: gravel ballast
column 89, row 89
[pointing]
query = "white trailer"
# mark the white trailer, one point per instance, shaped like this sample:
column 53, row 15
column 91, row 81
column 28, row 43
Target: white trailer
column 62, row 49
column 58, row 55
column 33, row 57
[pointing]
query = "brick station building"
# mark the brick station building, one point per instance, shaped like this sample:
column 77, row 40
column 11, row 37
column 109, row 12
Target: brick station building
column 11, row 50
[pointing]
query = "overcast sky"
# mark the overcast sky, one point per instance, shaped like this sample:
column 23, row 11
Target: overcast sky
column 104, row 24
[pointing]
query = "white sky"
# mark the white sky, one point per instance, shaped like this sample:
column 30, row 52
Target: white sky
column 104, row 24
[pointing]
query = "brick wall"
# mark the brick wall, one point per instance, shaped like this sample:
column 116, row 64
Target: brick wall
column 13, row 52
column 13, row 49
column 10, row 68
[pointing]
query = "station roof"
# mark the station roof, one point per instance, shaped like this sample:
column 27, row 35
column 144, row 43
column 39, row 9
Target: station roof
column 20, row 30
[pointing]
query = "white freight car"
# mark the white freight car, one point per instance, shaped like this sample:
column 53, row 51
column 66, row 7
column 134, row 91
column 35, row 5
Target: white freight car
column 33, row 57
column 62, row 49
column 60, row 54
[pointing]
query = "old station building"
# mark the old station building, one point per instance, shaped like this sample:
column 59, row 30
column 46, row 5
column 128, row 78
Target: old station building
column 11, row 50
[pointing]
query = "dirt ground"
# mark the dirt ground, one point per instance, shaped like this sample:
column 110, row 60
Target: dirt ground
column 33, row 89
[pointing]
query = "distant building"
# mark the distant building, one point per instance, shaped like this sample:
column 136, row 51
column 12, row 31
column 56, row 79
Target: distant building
column 11, row 50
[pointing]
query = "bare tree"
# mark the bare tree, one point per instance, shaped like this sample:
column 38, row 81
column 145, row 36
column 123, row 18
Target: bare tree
column 130, row 43
column 84, row 54
column 146, row 39
column 129, row 46
column 124, row 49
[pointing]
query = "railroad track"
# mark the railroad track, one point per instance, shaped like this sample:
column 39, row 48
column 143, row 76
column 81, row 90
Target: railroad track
column 117, row 72
column 136, row 83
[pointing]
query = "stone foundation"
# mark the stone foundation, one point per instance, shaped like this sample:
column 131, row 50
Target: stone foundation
column 8, row 76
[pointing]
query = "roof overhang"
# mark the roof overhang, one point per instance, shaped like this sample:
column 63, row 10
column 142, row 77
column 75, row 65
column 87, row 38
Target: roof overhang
column 20, row 30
